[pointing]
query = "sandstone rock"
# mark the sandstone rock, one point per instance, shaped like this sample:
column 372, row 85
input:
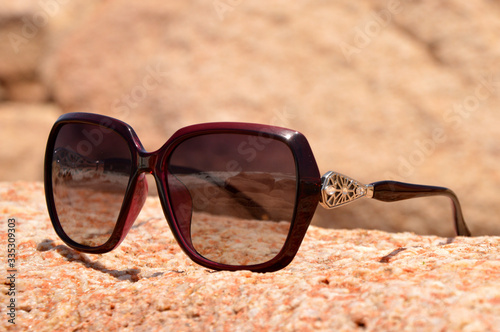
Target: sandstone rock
column 22, row 34
column 3, row 93
column 27, row 91
column 31, row 31
column 24, row 130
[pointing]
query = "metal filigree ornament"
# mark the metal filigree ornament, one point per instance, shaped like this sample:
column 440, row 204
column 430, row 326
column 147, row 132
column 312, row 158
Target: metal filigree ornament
column 338, row 189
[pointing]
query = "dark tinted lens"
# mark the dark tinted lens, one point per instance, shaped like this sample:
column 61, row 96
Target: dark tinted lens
column 238, row 192
column 91, row 166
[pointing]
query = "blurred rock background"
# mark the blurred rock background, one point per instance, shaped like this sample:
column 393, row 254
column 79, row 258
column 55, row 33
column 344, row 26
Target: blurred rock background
column 403, row 90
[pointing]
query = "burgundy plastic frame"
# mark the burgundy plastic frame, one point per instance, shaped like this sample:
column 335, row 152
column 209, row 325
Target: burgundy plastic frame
column 307, row 191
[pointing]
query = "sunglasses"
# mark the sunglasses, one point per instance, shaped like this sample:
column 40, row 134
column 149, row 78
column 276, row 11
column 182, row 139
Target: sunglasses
column 236, row 196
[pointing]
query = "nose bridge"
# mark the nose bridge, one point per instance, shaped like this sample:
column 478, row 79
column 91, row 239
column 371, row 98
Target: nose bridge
column 146, row 162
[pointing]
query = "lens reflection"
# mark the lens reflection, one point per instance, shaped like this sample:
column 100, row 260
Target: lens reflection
column 242, row 194
column 91, row 166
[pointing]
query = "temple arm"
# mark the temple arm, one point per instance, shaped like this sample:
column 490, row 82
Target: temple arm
column 338, row 190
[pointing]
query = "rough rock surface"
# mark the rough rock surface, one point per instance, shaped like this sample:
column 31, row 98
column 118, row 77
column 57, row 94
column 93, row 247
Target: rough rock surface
column 341, row 280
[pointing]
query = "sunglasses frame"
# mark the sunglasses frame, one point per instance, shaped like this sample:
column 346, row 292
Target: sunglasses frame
column 308, row 184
